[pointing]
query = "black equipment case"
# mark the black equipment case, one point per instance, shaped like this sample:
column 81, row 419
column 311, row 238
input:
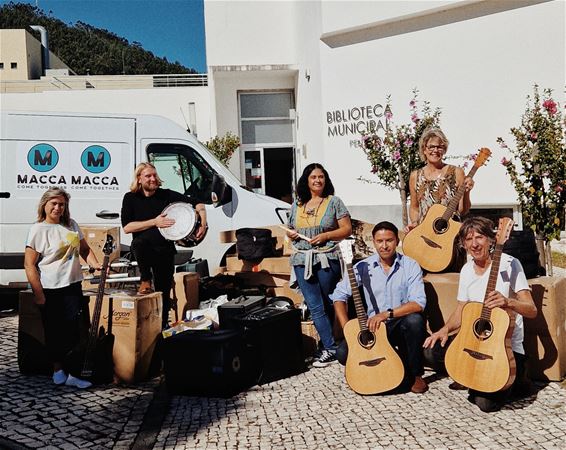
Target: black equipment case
column 275, row 337
column 238, row 307
column 208, row 363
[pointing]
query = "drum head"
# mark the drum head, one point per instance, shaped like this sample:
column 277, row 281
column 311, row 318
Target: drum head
column 185, row 221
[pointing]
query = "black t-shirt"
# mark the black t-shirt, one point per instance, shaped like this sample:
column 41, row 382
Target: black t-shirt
column 136, row 207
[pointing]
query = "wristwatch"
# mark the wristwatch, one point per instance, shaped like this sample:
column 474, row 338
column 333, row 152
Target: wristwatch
column 390, row 313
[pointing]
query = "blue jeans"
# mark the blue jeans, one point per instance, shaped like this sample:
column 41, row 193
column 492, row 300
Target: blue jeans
column 316, row 291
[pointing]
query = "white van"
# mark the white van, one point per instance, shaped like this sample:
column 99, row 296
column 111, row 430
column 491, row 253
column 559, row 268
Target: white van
column 93, row 157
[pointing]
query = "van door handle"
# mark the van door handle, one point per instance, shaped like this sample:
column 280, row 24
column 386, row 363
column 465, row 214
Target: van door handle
column 5, row 195
column 107, row 214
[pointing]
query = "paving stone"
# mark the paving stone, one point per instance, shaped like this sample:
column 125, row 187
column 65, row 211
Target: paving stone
column 315, row 409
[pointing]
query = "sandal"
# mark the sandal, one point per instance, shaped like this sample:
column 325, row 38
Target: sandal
column 145, row 288
column 145, row 291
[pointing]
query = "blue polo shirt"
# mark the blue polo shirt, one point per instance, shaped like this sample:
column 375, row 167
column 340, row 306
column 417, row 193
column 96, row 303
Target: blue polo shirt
column 403, row 284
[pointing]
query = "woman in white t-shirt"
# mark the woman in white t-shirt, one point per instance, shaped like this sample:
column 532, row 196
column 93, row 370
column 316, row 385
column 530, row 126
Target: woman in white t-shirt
column 53, row 270
column 511, row 292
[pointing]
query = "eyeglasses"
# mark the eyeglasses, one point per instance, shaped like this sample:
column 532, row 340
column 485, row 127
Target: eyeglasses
column 436, row 147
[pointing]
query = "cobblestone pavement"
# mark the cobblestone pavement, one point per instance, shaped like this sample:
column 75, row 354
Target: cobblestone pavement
column 312, row 410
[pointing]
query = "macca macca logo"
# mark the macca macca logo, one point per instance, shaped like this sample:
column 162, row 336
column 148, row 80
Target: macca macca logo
column 44, row 158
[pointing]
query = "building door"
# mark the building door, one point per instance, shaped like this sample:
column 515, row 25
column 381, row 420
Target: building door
column 267, row 142
column 278, row 163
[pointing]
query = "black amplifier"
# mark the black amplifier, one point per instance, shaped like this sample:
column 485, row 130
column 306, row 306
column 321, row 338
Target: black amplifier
column 274, row 335
column 238, row 307
column 208, row 363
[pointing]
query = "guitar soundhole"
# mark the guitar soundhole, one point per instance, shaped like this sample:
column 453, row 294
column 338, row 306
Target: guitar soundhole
column 483, row 329
column 440, row 225
column 366, row 338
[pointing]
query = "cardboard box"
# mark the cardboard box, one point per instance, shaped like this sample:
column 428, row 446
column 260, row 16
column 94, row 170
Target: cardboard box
column 136, row 326
column 185, row 293
column 545, row 335
column 310, row 338
column 32, row 354
column 277, row 265
column 96, row 238
column 441, row 291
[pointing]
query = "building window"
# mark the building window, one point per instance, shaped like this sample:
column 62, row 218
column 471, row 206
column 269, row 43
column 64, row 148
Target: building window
column 265, row 117
column 1, row 65
column 14, row 65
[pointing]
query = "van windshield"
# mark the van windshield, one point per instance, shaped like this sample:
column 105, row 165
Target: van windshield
column 183, row 170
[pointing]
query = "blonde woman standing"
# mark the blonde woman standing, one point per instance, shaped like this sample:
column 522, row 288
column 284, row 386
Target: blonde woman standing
column 53, row 270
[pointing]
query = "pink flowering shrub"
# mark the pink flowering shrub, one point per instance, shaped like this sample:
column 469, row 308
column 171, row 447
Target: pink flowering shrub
column 537, row 166
column 393, row 155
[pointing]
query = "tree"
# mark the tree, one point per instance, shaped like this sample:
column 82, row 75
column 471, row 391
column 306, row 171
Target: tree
column 537, row 169
column 223, row 147
column 396, row 154
column 86, row 48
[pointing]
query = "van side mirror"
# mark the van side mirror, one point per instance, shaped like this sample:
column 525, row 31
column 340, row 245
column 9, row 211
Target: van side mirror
column 221, row 192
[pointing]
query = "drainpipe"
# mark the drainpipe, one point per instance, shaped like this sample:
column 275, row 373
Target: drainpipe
column 44, row 46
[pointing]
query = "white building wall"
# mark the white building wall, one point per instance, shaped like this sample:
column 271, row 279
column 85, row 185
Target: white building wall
column 479, row 71
column 167, row 102
column 226, row 89
column 250, row 32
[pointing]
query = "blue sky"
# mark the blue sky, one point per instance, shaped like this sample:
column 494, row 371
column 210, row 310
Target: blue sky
column 168, row 28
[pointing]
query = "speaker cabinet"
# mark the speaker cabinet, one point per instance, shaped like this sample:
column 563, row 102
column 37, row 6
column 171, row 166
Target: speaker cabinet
column 208, row 363
column 275, row 337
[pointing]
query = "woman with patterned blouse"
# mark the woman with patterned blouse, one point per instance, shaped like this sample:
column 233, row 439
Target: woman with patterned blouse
column 318, row 221
column 436, row 182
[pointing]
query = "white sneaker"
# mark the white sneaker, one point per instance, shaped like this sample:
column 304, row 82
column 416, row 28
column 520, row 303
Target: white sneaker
column 326, row 358
column 77, row 382
column 59, row 377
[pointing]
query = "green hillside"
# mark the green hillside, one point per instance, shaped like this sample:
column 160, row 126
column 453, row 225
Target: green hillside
column 83, row 47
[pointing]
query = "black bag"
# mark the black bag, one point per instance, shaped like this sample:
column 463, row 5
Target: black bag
column 254, row 243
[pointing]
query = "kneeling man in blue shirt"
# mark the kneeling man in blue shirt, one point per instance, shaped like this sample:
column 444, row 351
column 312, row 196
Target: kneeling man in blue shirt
column 395, row 297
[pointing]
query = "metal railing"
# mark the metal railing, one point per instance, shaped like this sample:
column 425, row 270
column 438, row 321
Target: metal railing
column 108, row 82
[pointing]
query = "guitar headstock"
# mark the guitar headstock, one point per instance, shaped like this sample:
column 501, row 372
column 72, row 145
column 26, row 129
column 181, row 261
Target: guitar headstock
column 504, row 230
column 482, row 157
column 109, row 245
column 345, row 247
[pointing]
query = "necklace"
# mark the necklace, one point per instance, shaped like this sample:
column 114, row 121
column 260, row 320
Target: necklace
column 312, row 212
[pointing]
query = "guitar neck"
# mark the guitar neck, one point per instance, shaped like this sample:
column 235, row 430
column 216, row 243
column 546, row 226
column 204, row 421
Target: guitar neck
column 95, row 321
column 358, row 302
column 492, row 281
column 452, row 206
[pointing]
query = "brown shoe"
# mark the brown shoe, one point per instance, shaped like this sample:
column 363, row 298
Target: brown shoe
column 419, row 386
column 145, row 288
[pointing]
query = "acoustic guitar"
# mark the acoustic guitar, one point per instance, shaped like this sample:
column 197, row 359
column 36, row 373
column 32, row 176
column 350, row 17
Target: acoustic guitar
column 98, row 363
column 373, row 366
column 480, row 357
column 431, row 243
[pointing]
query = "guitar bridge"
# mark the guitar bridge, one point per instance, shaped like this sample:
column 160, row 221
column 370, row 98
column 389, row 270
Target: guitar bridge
column 371, row 362
column 430, row 242
column 477, row 355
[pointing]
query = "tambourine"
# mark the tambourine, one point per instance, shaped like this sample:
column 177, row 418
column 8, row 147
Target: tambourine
column 187, row 222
